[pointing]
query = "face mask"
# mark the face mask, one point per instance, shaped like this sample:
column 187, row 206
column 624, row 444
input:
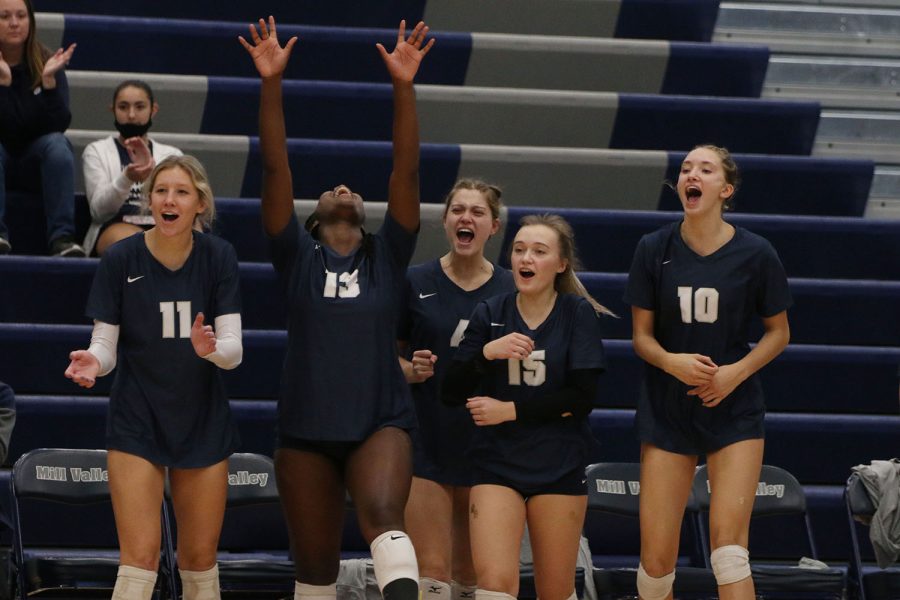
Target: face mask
column 129, row 130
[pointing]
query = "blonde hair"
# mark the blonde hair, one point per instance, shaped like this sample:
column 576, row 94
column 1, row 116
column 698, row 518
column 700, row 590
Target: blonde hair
column 566, row 282
column 490, row 192
column 35, row 54
column 199, row 179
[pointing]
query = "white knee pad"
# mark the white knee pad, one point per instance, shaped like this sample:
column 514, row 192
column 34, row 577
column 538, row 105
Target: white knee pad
column 394, row 558
column 481, row 594
column 730, row 564
column 433, row 589
column 200, row 585
column 305, row 591
column 654, row 588
column 133, row 583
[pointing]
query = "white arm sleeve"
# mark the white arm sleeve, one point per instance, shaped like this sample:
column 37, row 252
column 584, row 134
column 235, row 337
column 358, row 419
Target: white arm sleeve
column 229, row 347
column 104, row 340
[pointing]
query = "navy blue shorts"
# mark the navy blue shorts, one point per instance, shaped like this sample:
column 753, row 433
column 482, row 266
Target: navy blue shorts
column 573, row 483
column 336, row 452
column 685, row 426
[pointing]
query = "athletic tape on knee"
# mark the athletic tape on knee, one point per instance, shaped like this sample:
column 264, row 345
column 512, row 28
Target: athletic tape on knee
column 200, row 585
column 433, row 589
column 394, row 558
column 654, row 588
column 730, row 564
column 481, row 594
column 305, row 591
column 459, row 591
column 133, row 583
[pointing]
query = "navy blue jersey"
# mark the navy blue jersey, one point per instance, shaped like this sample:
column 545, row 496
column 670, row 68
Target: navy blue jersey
column 341, row 379
column 704, row 305
column 167, row 404
column 437, row 313
column 534, row 453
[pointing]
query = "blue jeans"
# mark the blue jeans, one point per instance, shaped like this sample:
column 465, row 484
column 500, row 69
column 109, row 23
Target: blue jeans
column 47, row 167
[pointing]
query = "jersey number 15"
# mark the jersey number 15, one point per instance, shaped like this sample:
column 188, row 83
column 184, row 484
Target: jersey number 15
column 532, row 370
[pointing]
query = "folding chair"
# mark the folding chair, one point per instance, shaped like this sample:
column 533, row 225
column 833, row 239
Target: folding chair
column 72, row 551
column 253, row 553
column 778, row 493
column 614, row 488
column 871, row 584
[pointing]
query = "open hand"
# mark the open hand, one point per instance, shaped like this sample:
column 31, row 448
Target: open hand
column 5, row 72
column 142, row 162
column 403, row 63
column 57, row 62
column 268, row 56
column 691, row 369
column 83, row 368
column 723, row 382
column 203, row 338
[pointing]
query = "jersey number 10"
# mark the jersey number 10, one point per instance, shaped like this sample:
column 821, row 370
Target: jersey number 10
column 705, row 304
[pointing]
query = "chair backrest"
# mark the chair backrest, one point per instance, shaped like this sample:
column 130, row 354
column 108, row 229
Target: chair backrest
column 778, row 492
column 614, row 487
column 858, row 501
column 251, row 480
column 62, row 475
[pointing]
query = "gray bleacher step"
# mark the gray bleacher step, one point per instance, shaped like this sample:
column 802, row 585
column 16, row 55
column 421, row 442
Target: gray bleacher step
column 811, row 29
column 835, row 82
column 884, row 197
column 532, row 16
column 859, row 134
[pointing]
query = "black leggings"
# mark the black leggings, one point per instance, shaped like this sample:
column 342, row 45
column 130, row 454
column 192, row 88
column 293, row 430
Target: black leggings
column 313, row 481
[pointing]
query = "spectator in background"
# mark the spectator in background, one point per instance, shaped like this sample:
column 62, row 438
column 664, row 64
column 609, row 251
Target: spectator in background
column 7, row 419
column 34, row 113
column 116, row 166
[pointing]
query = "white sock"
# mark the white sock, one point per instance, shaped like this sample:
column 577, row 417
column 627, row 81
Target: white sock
column 200, row 585
column 462, row 592
column 305, row 591
column 433, row 589
column 133, row 583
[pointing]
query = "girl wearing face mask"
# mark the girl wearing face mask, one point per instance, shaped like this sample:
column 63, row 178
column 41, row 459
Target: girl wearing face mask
column 116, row 166
column 527, row 371
column 694, row 288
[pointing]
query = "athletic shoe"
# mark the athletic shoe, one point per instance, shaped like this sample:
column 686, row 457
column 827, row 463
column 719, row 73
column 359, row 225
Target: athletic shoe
column 65, row 246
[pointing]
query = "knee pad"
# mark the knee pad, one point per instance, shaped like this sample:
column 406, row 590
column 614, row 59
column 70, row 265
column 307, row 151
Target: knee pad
column 481, row 594
column 654, row 588
column 201, row 585
column 305, row 591
column 133, row 583
column 730, row 564
column 394, row 558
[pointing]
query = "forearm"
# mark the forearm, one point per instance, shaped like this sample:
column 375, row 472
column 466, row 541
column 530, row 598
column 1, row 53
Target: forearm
column 649, row 349
column 407, row 367
column 575, row 399
column 277, row 193
column 460, row 381
column 403, row 199
column 105, row 197
column 770, row 345
column 104, row 343
column 229, row 346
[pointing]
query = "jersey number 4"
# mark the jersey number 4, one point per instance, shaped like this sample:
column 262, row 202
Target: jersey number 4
column 705, row 304
column 168, row 310
column 532, row 370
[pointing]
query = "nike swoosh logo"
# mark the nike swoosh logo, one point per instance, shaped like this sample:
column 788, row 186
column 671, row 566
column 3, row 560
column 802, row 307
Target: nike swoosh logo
column 397, row 537
column 497, row 324
column 133, row 279
column 665, row 262
column 423, row 296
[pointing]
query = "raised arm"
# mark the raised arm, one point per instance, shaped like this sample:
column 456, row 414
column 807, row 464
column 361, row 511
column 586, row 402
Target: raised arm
column 402, row 65
column 270, row 60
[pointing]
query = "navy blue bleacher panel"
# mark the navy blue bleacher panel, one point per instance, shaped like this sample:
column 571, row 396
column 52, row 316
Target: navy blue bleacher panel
column 648, row 122
column 791, row 185
column 689, row 20
column 349, row 13
column 328, row 53
column 365, row 167
column 810, row 247
column 729, row 70
column 239, row 221
column 313, row 109
column 26, row 222
column 33, row 285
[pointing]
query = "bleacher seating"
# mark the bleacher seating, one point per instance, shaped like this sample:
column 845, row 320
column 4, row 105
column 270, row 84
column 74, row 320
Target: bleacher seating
column 580, row 108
